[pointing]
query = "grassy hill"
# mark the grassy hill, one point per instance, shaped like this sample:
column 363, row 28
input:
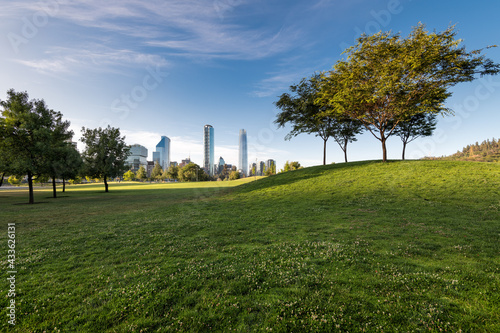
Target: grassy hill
column 365, row 246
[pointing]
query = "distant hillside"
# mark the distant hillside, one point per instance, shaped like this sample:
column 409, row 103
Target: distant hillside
column 486, row 151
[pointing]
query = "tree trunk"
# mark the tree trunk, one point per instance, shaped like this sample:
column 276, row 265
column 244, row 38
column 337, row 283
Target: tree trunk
column 384, row 149
column 404, row 148
column 324, row 152
column 345, row 151
column 54, row 193
column 105, row 184
column 30, row 186
column 1, row 179
column 64, row 185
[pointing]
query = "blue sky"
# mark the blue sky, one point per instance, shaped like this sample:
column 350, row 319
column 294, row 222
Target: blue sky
column 169, row 67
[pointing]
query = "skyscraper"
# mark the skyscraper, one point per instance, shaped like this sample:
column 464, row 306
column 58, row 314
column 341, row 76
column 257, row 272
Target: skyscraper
column 243, row 153
column 208, row 153
column 138, row 156
column 162, row 153
column 271, row 165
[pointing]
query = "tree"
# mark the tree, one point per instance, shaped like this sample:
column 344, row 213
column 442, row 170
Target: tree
column 13, row 180
column 105, row 153
column 271, row 170
column 295, row 165
column 26, row 136
column 128, row 176
column 234, row 175
column 172, row 172
column 141, row 174
column 387, row 79
column 157, row 172
column 344, row 132
column 192, row 172
column 290, row 166
column 59, row 149
column 303, row 113
column 422, row 124
column 66, row 164
column 308, row 114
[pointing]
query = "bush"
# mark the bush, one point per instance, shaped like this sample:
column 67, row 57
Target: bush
column 13, row 180
column 234, row 175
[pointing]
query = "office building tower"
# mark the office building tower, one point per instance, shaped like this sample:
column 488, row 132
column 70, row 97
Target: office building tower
column 220, row 167
column 138, row 156
column 208, row 153
column 162, row 153
column 243, row 153
column 271, row 165
column 185, row 162
column 260, row 168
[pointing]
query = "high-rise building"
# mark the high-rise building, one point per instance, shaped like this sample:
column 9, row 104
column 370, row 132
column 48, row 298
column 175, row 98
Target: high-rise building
column 185, row 162
column 138, row 156
column 162, row 153
column 208, row 153
column 243, row 153
column 271, row 165
column 260, row 168
column 220, row 167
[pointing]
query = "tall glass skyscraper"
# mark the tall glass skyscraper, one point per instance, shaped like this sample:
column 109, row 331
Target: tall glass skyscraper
column 162, row 153
column 243, row 153
column 208, row 151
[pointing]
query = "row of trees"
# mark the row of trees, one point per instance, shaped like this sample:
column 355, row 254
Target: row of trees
column 388, row 86
column 188, row 173
column 486, row 151
column 36, row 142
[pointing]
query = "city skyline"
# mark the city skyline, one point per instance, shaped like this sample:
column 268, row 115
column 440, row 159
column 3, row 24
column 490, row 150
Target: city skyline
column 173, row 67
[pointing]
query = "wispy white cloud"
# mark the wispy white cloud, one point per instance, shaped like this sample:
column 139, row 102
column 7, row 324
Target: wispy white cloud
column 187, row 27
column 95, row 57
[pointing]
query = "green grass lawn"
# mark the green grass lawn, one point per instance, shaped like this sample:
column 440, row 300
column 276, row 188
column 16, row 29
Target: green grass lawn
column 367, row 246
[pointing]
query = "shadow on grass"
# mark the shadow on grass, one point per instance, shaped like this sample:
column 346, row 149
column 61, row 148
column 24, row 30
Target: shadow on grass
column 27, row 203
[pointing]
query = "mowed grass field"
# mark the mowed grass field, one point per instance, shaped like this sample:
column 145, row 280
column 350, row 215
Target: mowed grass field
column 408, row 246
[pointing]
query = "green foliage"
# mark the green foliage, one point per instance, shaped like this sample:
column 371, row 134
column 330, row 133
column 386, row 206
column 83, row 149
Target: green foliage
column 290, row 166
column 271, row 170
column 192, row 172
column 141, row 174
column 486, row 151
column 42, row 179
column 76, row 180
column 419, row 125
column 32, row 138
column 105, row 153
column 172, row 172
column 157, row 172
column 128, row 176
column 306, row 115
column 234, row 175
column 13, row 180
column 321, row 249
column 387, row 79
